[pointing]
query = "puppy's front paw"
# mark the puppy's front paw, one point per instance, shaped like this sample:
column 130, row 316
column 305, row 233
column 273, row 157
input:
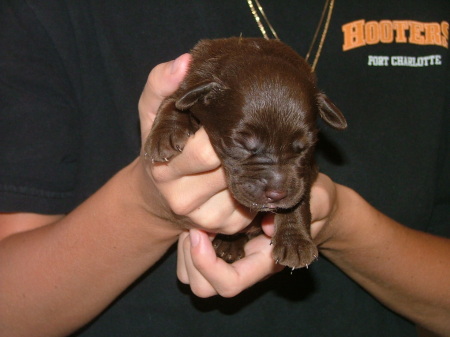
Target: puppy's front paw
column 163, row 144
column 294, row 251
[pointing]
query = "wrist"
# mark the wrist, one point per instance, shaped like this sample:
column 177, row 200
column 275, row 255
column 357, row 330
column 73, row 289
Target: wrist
column 341, row 228
column 143, row 203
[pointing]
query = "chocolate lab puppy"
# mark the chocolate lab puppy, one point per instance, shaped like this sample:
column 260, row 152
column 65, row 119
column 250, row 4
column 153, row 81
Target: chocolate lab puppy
column 258, row 102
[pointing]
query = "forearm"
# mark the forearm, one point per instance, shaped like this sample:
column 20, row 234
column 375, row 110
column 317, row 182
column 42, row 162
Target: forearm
column 405, row 269
column 58, row 277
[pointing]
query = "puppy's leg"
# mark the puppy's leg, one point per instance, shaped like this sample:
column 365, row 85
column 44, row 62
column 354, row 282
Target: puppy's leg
column 293, row 245
column 170, row 132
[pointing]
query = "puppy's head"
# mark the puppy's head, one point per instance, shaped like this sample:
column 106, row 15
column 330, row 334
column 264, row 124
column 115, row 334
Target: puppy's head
column 260, row 115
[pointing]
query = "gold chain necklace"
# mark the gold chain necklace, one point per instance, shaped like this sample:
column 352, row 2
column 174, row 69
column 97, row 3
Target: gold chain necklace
column 327, row 11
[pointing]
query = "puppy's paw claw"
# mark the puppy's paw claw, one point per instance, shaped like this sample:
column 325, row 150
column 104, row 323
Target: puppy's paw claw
column 162, row 146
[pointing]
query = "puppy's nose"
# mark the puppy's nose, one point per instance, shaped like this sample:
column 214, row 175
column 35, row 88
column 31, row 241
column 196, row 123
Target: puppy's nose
column 275, row 195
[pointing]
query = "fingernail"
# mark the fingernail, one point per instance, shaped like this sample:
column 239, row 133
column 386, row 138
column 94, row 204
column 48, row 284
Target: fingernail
column 194, row 236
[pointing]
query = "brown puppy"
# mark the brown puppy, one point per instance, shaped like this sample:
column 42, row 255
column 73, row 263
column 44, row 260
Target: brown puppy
column 257, row 100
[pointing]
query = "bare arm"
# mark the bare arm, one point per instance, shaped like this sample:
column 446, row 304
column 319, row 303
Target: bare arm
column 58, row 276
column 59, row 272
column 407, row 270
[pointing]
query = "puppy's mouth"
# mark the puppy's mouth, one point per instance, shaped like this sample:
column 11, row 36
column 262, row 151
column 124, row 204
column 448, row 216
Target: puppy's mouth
column 269, row 207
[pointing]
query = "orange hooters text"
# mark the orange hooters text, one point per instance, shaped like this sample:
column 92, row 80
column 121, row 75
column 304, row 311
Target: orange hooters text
column 361, row 33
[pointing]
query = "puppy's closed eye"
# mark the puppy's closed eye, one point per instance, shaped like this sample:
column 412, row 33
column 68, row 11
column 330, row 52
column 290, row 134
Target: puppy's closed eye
column 249, row 142
column 253, row 145
column 302, row 141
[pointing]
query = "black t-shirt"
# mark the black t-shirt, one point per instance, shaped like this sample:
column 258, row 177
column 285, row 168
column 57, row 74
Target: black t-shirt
column 71, row 73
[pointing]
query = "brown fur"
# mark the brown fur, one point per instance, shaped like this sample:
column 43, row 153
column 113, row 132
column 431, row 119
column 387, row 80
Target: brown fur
column 257, row 100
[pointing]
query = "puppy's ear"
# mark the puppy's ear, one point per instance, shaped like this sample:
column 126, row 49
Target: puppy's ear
column 202, row 92
column 330, row 113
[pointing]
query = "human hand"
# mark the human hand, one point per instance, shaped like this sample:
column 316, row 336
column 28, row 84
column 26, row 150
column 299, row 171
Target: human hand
column 193, row 183
column 209, row 275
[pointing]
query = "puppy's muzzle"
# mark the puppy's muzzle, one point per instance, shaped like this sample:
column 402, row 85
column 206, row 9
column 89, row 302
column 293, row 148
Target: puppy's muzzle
column 267, row 192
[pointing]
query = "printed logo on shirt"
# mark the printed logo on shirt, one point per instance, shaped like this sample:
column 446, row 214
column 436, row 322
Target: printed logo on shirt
column 361, row 33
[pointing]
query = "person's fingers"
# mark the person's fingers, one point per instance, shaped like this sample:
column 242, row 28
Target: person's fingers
column 198, row 283
column 198, row 156
column 215, row 213
column 187, row 193
column 181, row 264
column 268, row 224
column 231, row 218
column 197, row 189
column 162, row 81
column 209, row 275
column 192, row 174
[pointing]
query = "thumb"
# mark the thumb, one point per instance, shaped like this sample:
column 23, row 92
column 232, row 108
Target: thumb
column 162, row 81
